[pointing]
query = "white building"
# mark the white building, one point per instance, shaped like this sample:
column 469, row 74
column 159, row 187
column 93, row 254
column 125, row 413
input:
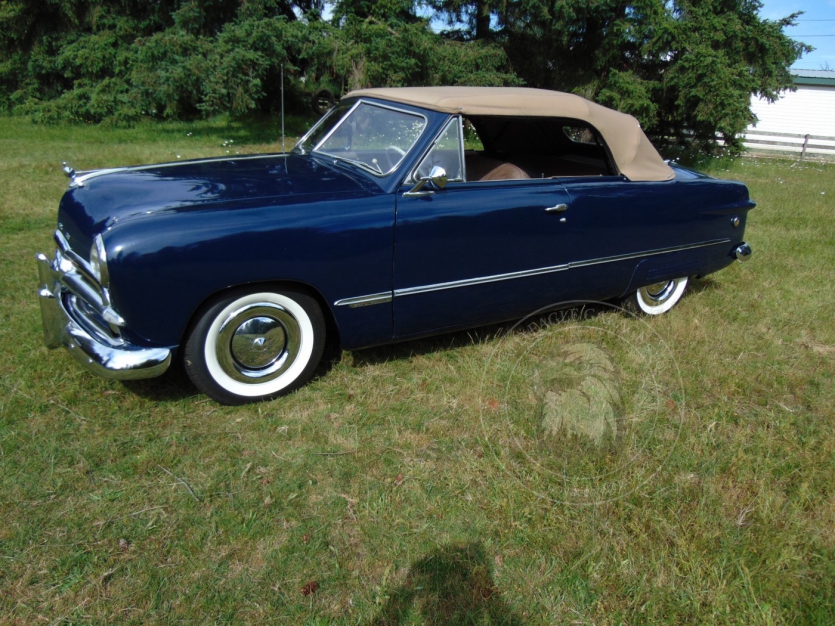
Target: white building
column 784, row 125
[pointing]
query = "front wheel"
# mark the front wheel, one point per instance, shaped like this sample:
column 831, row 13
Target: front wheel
column 254, row 345
column 658, row 298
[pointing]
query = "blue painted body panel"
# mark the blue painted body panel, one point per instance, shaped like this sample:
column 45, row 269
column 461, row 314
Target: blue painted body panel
column 483, row 229
column 472, row 230
column 185, row 266
column 103, row 201
column 178, row 234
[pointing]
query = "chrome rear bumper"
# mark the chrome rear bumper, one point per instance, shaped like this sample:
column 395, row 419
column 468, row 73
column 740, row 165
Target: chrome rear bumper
column 68, row 321
column 742, row 252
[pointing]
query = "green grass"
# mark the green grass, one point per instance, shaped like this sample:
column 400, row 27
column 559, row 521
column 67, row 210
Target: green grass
column 411, row 482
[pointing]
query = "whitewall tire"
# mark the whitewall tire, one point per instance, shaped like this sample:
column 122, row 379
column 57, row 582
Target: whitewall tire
column 255, row 345
column 658, row 298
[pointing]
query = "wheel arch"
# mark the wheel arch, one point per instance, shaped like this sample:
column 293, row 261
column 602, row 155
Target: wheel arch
column 331, row 327
column 667, row 267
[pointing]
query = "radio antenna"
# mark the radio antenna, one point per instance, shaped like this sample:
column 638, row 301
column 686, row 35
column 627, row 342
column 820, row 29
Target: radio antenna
column 283, row 149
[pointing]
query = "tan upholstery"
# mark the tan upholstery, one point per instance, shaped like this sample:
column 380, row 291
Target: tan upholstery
column 505, row 171
column 544, row 166
column 634, row 155
column 480, row 167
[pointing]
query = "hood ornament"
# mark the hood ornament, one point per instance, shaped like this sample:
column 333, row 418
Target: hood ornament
column 69, row 171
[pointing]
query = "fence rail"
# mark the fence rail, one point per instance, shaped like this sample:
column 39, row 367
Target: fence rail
column 804, row 145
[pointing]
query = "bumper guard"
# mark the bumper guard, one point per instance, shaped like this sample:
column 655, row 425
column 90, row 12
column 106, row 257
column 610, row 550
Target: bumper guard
column 64, row 325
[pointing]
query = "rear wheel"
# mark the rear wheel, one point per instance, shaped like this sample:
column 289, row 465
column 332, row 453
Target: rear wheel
column 657, row 298
column 255, row 345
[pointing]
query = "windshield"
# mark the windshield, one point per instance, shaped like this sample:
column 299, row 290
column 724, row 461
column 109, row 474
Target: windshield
column 372, row 136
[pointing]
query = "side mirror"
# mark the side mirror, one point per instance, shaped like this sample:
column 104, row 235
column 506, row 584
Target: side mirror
column 437, row 176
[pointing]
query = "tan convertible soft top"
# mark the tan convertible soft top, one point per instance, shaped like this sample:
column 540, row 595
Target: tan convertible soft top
column 635, row 156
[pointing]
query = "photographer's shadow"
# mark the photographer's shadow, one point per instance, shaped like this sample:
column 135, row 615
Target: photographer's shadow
column 452, row 585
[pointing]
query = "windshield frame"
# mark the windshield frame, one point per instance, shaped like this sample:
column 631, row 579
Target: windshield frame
column 364, row 166
column 299, row 147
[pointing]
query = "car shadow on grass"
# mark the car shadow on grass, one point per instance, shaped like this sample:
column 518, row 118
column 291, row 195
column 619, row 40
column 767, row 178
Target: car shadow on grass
column 451, row 585
column 471, row 337
column 429, row 345
column 698, row 285
column 174, row 384
column 485, row 334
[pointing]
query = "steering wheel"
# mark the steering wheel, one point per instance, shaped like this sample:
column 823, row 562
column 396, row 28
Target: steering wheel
column 393, row 155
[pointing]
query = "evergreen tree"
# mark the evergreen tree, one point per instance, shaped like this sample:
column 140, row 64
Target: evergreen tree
column 680, row 66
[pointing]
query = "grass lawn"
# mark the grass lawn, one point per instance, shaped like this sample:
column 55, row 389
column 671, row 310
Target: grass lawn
column 433, row 482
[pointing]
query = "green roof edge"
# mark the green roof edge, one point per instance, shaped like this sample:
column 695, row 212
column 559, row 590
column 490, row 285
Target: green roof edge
column 803, row 80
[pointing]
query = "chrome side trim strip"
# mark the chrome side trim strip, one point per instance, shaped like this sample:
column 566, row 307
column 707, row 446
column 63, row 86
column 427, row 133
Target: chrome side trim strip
column 468, row 282
column 360, row 301
column 626, row 257
column 379, row 298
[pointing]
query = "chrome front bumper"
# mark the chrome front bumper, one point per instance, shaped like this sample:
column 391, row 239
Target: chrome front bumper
column 75, row 317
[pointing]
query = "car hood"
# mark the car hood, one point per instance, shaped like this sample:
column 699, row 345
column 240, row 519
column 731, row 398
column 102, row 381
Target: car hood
column 99, row 199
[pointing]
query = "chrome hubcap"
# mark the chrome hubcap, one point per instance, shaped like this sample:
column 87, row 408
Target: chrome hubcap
column 659, row 292
column 258, row 342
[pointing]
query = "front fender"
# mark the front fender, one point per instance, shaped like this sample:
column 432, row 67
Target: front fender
column 164, row 266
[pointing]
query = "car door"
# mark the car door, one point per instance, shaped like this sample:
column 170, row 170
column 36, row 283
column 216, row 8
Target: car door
column 476, row 252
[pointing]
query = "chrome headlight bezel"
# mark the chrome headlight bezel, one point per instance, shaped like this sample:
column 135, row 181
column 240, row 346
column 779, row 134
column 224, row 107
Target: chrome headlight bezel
column 98, row 261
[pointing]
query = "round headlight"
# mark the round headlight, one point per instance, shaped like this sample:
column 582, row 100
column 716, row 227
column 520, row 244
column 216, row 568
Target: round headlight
column 98, row 261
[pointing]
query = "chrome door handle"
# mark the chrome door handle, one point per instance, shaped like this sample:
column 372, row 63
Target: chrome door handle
column 557, row 209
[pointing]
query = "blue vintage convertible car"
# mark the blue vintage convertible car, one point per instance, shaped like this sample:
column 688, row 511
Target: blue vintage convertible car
column 403, row 212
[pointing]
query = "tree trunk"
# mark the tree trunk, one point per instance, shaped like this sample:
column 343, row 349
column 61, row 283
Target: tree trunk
column 482, row 20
